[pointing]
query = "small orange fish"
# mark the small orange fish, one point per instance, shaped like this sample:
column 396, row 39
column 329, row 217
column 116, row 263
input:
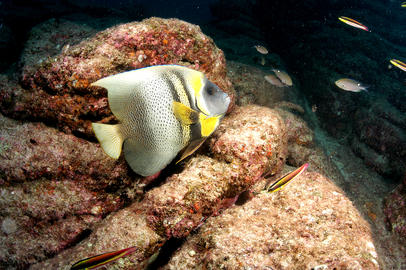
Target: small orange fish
column 102, row 259
column 353, row 23
column 398, row 64
column 283, row 181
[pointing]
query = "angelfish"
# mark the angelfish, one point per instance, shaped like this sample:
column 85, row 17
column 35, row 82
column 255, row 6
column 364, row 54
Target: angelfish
column 162, row 110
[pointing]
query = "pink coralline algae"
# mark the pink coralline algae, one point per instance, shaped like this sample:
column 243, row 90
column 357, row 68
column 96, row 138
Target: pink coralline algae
column 54, row 187
column 205, row 187
column 58, row 91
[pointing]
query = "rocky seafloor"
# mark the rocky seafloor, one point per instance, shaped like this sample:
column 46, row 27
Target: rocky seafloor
column 62, row 199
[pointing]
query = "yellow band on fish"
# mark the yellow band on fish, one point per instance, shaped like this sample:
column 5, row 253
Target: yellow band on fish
column 208, row 124
column 398, row 64
column 196, row 81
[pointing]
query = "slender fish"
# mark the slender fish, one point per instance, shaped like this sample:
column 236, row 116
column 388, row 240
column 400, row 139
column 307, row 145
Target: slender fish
column 353, row 23
column 283, row 181
column 102, row 259
column 398, row 64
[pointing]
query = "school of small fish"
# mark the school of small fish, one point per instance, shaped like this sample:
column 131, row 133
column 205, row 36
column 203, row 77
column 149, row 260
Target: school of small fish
column 353, row 85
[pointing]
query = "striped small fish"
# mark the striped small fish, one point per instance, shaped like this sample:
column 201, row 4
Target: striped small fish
column 398, row 64
column 353, row 23
column 283, row 181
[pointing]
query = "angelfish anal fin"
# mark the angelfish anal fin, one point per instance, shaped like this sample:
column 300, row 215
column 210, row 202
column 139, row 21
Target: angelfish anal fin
column 191, row 148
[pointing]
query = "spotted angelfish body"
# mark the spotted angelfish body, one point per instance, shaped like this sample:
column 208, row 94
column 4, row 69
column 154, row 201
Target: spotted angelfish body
column 144, row 101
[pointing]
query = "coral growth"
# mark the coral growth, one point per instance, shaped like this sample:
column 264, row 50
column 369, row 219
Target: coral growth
column 308, row 225
column 54, row 187
column 187, row 199
column 57, row 88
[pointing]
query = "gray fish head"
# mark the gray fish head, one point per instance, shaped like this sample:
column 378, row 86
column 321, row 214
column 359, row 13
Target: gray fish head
column 215, row 99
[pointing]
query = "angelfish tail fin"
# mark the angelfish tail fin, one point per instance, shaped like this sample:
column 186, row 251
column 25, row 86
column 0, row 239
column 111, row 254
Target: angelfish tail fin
column 110, row 138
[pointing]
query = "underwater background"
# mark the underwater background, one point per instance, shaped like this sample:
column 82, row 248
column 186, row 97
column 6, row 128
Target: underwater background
column 317, row 82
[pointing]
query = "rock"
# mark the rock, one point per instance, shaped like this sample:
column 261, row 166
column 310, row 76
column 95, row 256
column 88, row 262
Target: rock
column 252, row 88
column 50, row 38
column 204, row 188
column 382, row 140
column 54, row 188
column 395, row 210
column 58, row 90
column 252, row 136
column 308, row 224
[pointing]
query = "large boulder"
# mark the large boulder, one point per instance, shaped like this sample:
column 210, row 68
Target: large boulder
column 56, row 89
column 55, row 185
column 204, row 188
column 310, row 224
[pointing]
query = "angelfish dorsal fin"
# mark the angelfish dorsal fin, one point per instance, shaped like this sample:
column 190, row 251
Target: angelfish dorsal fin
column 191, row 148
column 184, row 114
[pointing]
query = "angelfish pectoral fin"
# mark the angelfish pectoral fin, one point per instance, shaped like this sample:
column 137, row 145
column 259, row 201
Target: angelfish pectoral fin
column 102, row 259
column 191, row 148
column 184, row 114
column 208, row 124
column 110, row 138
column 283, row 181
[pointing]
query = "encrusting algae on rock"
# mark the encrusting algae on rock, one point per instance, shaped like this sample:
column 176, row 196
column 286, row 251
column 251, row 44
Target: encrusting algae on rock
column 58, row 89
column 49, row 169
column 252, row 141
column 205, row 187
column 284, row 230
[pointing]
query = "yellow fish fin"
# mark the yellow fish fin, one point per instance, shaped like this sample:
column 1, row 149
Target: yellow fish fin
column 184, row 114
column 208, row 124
column 110, row 138
column 191, row 148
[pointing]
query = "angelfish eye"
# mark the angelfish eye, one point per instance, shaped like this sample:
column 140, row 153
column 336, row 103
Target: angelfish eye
column 210, row 91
